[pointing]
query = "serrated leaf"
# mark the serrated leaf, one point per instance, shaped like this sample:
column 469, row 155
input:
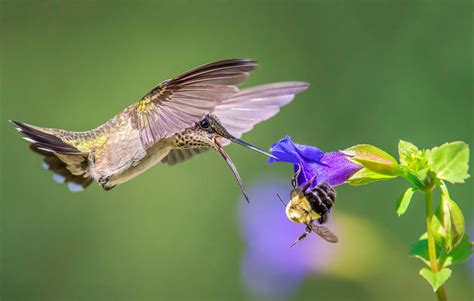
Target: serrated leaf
column 458, row 254
column 404, row 200
column 450, row 161
column 373, row 159
column 364, row 176
column 420, row 250
column 436, row 279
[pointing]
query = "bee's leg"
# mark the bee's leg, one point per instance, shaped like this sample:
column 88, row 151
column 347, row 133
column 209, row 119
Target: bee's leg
column 295, row 176
column 305, row 187
column 303, row 236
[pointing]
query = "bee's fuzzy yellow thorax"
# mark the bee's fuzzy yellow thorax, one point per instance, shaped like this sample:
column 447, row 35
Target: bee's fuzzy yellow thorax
column 299, row 210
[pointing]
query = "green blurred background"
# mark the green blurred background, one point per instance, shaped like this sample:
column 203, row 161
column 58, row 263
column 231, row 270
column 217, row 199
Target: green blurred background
column 379, row 72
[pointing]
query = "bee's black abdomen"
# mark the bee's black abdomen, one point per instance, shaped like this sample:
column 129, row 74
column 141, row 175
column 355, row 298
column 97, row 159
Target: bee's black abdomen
column 327, row 194
column 322, row 198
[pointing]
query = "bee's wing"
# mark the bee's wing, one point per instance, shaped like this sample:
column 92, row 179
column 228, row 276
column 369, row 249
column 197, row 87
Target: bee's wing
column 324, row 232
column 240, row 113
column 180, row 102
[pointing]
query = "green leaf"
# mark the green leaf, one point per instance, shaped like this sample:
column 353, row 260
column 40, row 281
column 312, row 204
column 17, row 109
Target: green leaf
column 373, row 159
column 436, row 279
column 404, row 200
column 458, row 254
column 364, row 176
column 420, row 250
column 413, row 160
column 450, row 161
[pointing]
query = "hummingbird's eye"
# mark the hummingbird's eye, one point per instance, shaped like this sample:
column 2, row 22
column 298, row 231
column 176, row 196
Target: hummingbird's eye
column 204, row 123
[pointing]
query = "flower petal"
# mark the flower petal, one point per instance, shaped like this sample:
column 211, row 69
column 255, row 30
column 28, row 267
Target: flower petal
column 309, row 153
column 287, row 151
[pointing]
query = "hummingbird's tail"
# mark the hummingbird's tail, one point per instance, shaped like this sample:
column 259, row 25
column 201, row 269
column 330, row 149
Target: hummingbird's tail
column 68, row 163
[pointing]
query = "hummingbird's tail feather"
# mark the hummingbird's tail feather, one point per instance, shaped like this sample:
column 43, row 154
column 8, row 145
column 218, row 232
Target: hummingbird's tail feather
column 48, row 140
column 68, row 164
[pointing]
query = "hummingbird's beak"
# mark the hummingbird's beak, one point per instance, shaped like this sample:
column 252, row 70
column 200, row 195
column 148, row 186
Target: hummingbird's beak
column 231, row 165
column 243, row 143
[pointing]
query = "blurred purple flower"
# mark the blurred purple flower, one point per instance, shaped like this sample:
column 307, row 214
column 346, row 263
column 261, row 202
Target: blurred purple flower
column 332, row 168
column 270, row 268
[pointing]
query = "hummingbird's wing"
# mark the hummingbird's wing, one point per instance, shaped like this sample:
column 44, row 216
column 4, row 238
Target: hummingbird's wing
column 178, row 103
column 240, row 113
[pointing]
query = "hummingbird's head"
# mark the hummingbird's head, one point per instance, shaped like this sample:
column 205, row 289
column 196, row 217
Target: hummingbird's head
column 211, row 133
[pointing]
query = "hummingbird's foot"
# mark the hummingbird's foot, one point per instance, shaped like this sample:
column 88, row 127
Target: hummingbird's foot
column 103, row 183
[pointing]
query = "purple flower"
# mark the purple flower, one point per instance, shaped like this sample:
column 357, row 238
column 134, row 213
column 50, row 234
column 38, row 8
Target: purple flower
column 333, row 168
column 270, row 268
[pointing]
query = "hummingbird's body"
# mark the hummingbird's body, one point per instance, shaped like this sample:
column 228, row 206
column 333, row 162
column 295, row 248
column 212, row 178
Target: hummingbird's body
column 179, row 118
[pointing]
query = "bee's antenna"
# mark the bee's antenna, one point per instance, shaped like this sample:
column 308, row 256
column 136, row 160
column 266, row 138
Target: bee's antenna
column 281, row 200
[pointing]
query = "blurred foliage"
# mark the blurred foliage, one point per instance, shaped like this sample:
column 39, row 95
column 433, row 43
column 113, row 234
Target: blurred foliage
column 171, row 233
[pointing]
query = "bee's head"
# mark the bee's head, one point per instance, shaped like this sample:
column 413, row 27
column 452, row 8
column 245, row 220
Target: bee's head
column 296, row 193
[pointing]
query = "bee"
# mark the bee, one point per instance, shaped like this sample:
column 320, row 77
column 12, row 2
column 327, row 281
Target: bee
column 307, row 206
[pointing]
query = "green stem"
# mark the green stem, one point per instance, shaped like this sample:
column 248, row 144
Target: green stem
column 440, row 293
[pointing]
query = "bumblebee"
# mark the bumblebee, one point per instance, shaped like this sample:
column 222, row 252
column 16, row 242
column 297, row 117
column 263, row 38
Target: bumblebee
column 307, row 206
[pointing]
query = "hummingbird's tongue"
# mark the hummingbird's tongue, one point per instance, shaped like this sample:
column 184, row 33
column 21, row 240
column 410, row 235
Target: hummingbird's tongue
column 232, row 168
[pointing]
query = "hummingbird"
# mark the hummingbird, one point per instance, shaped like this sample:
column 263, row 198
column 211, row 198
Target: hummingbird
column 181, row 117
